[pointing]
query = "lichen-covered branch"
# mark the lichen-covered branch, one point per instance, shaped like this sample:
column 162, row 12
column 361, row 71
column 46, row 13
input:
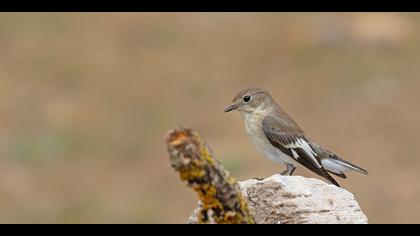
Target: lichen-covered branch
column 218, row 192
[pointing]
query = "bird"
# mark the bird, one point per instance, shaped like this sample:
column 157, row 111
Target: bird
column 279, row 138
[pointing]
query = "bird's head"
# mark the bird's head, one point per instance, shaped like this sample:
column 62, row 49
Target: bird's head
column 250, row 100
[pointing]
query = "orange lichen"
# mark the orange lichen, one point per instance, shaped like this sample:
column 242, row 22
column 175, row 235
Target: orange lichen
column 177, row 138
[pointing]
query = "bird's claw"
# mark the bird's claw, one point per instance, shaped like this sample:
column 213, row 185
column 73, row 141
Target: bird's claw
column 259, row 179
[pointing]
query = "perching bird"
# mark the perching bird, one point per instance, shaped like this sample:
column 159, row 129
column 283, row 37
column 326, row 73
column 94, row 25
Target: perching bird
column 280, row 139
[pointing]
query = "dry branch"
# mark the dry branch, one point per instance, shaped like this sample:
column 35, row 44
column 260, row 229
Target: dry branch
column 218, row 192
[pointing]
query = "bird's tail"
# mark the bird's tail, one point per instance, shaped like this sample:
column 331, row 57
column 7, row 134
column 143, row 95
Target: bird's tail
column 338, row 166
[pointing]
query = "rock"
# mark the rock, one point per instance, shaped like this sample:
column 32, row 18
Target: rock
column 298, row 200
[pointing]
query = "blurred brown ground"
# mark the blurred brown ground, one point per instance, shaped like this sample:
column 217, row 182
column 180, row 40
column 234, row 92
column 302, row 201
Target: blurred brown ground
column 86, row 98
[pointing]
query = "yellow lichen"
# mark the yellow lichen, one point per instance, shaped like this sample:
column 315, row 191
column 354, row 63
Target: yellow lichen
column 206, row 155
column 208, row 198
column 192, row 173
column 196, row 168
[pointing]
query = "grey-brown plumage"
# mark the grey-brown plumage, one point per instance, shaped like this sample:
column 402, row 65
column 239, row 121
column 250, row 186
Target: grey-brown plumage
column 281, row 139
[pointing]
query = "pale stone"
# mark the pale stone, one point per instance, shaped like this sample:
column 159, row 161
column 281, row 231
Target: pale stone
column 298, row 200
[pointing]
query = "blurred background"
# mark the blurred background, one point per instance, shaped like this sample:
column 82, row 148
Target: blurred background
column 85, row 100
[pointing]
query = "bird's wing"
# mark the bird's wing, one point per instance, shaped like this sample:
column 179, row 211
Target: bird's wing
column 293, row 143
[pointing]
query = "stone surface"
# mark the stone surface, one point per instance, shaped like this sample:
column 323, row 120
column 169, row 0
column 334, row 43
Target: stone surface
column 298, row 200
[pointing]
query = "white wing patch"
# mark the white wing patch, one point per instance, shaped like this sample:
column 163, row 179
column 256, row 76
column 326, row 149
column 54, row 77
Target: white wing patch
column 301, row 143
column 295, row 155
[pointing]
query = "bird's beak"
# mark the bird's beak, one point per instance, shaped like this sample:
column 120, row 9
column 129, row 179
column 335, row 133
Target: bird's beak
column 232, row 107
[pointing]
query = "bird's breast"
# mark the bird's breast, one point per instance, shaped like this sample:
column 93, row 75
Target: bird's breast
column 254, row 130
column 257, row 136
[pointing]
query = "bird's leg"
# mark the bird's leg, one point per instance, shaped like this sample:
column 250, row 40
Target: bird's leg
column 289, row 171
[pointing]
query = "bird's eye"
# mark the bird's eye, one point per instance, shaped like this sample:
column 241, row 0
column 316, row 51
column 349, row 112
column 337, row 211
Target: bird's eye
column 247, row 98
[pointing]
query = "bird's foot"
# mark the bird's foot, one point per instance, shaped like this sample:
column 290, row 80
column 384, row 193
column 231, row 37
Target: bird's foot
column 259, row 179
column 289, row 171
column 285, row 173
